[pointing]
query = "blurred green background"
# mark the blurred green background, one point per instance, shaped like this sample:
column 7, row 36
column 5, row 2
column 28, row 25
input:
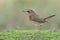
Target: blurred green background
column 12, row 17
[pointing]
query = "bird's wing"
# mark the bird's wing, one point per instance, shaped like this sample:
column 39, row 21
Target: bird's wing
column 49, row 17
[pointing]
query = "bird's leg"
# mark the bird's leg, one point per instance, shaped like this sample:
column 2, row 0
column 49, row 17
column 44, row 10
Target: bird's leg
column 37, row 26
column 40, row 26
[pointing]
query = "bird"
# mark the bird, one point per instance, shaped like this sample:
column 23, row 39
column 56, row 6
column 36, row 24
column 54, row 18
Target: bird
column 33, row 16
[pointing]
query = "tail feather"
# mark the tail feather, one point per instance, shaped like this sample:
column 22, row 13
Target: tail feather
column 49, row 17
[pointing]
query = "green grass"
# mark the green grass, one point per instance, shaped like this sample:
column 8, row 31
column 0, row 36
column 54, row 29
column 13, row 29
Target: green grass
column 30, row 35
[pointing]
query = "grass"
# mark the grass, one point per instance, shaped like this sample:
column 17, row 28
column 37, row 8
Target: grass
column 30, row 35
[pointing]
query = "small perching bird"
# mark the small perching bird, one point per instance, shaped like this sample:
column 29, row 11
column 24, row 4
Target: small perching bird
column 36, row 18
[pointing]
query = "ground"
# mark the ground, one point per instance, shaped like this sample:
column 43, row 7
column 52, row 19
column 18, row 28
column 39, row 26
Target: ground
column 30, row 35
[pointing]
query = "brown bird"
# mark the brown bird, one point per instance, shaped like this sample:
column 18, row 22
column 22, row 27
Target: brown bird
column 36, row 18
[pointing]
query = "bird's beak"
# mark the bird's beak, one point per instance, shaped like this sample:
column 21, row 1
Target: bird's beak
column 23, row 11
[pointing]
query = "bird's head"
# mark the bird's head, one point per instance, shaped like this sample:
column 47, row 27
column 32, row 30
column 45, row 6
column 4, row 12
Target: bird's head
column 30, row 11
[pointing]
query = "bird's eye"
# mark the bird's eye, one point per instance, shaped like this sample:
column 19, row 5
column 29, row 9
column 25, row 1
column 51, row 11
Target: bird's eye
column 28, row 11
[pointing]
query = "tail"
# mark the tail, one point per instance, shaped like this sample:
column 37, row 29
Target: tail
column 49, row 17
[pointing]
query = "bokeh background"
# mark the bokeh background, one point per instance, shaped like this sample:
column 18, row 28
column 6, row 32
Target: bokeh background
column 12, row 17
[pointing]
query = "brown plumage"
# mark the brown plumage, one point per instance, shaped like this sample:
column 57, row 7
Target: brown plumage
column 49, row 17
column 34, row 17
